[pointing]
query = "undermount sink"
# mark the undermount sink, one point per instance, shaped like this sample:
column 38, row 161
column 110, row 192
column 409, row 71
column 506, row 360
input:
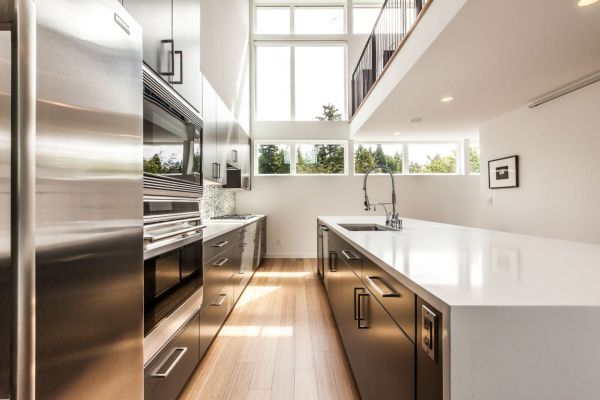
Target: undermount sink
column 368, row 227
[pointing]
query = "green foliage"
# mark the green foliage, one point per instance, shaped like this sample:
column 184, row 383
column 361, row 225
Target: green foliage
column 271, row 160
column 330, row 113
column 155, row 165
column 474, row 161
column 329, row 159
column 365, row 159
column 435, row 165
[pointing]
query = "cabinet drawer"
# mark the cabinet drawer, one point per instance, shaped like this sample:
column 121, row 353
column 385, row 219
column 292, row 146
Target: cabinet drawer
column 215, row 246
column 218, row 272
column 213, row 316
column 398, row 300
column 168, row 372
column 350, row 256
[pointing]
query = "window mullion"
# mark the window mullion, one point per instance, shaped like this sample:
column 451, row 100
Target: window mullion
column 293, row 159
column 405, row 163
column 293, row 82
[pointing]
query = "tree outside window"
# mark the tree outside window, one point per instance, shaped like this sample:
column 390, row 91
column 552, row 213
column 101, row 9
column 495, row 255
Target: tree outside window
column 367, row 156
column 274, row 159
column 432, row 158
column 320, row 159
column 474, row 158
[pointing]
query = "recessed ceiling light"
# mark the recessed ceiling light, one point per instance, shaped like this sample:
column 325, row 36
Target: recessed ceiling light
column 584, row 3
column 446, row 99
column 396, row 133
column 416, row 119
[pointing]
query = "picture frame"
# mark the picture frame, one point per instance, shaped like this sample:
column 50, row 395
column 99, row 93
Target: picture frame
column 503, row 173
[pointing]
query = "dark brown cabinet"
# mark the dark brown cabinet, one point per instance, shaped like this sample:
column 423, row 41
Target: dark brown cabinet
column 377, row 319
column 168, row 372
column 171, row 43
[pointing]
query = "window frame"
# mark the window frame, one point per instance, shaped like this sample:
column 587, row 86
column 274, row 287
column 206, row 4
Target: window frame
column 293, row 156
column 460, row 168
column 292, row 44
column 371, row 142
column 292, row 7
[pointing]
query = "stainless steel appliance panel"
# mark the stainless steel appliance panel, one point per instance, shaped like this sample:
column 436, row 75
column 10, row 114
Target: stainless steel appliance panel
column 5, row 192
column 168, row 372
column 89, row 294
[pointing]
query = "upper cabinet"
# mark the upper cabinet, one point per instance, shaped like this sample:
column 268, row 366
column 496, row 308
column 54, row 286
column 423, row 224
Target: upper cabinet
column 172, row 43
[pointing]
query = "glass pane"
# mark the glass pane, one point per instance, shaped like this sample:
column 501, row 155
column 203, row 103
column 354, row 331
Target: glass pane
column 367, row 156
column 318, row 20
column 474, row 158
column 273, row 83
column 320, row 83
column 432, row 158
column 273, row 20
column 163, row 159
column 274, row 159
column 320, row 159
column 363, row 19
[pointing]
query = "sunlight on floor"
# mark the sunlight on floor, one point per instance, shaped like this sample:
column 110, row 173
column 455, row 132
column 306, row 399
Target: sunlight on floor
column 254, row 331
column 281, row 274
column 256, row 292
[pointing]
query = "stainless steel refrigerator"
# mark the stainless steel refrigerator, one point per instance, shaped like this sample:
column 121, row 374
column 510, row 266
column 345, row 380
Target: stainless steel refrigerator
column 71, row 272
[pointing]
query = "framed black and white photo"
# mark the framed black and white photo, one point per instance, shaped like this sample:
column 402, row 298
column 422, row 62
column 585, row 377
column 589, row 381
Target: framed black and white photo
column 503, row 173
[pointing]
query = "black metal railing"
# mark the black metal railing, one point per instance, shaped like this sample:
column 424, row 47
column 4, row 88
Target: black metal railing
column 395, row 21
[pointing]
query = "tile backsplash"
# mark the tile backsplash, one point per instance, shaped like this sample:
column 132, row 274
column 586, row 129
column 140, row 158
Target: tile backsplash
column 217, row 201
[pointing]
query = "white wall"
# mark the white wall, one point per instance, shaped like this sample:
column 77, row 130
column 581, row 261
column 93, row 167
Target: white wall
column 225, row 60
column 293, row 203
column 558, row 145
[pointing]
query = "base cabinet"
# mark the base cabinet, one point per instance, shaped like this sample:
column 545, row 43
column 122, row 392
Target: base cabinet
column 213, row 315
column 380, row 354
column 167, row 374
column 386, row 360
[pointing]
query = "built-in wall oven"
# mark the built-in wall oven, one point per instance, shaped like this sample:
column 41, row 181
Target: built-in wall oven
column 173, row 276
column 172, row 141
column 172, row 159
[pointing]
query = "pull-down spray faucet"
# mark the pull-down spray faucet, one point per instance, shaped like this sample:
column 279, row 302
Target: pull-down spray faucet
column 391, row 219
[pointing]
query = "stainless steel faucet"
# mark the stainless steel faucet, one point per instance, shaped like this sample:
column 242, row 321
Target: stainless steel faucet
column 391, row 219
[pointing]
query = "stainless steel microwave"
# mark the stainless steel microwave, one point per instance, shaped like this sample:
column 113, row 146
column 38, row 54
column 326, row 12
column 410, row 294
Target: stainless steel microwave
column 172, row 153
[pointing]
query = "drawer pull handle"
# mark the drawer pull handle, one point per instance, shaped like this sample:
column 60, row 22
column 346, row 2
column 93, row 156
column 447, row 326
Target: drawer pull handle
column 219, row 302
column 383, row 293
column 221, row 244
column 164, row 368
column 220, row 263
column 350, row 256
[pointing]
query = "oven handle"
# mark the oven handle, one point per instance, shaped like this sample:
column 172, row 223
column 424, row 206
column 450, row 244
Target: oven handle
column 172, row 234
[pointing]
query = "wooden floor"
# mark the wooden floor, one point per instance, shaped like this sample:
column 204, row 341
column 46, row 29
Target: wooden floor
column 280, row 342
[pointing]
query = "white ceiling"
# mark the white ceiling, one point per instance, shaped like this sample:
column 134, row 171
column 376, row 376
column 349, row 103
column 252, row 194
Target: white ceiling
column 492, row 57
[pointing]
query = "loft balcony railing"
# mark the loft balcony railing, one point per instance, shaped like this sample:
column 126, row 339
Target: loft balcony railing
column 394, row 24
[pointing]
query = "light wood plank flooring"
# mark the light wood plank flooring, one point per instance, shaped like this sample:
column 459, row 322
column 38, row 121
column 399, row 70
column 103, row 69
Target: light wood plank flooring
column 280, row 342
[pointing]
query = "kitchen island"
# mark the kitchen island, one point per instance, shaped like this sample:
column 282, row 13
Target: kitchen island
column 518, row 315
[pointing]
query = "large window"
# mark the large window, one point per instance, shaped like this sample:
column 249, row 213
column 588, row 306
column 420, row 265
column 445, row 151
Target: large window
column 273, row 72
column 369, row 155
column 320, row 159
column 301, row 158
column 274, row 159
column 474, row 157
column 300, row 20
column 298, row 89
column 432, row 158
column 273, row 20
column 364, row 17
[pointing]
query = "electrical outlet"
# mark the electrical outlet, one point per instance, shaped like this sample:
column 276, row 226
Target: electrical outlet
column 279, row 242
column 489, row 200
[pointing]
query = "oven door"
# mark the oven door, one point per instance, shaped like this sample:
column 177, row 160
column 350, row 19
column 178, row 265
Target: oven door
column 172, row 146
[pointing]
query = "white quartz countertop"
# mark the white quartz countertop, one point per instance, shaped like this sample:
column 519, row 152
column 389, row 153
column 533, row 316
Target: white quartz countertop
column 218, row 227
column 462, row 266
